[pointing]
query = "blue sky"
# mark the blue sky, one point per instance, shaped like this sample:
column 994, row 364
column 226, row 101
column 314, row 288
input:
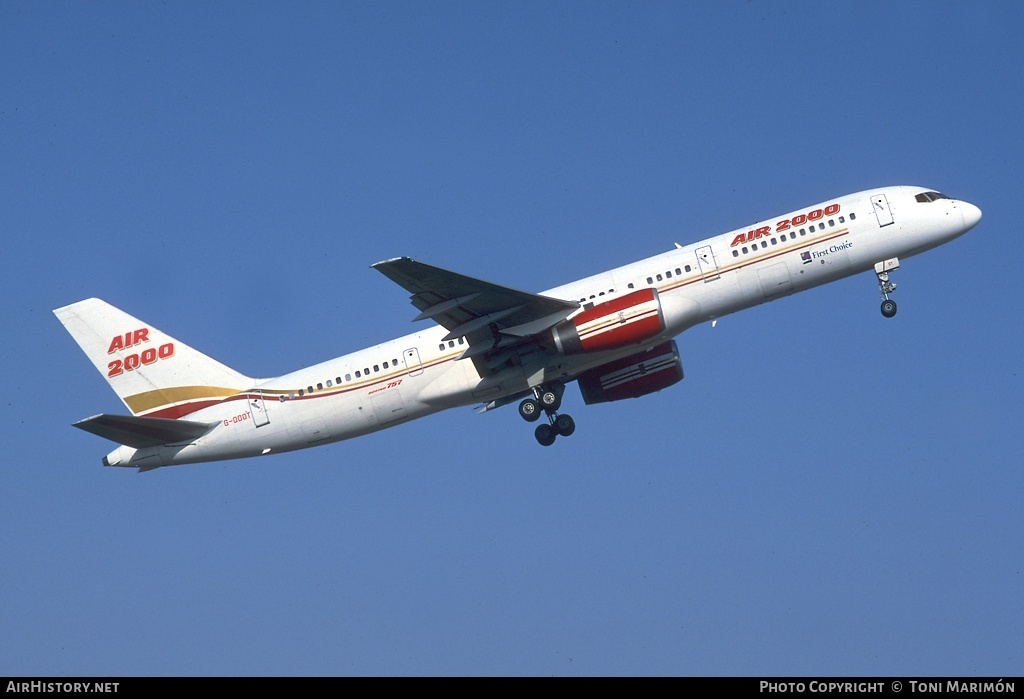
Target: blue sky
column 827, row 492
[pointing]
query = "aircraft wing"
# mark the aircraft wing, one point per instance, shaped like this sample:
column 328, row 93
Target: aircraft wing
column 489, row 316
column 142, row 432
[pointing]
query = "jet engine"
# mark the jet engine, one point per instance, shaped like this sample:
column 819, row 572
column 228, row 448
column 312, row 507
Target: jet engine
column 626, row 320
column 633, row 376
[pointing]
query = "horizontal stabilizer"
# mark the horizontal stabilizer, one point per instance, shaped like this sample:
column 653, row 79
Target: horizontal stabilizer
column 142, row 432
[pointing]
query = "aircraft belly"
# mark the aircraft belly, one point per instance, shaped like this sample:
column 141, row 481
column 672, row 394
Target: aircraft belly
column 388, row 406
column 455, row 384
column 878, row 245
column 775, row 280
column 723, row 291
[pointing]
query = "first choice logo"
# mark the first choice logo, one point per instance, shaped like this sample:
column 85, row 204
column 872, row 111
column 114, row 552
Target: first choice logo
column 134, row 361
column 818, row 254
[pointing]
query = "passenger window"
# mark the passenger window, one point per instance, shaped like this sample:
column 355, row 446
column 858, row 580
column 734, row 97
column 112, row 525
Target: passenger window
column 376, row 368
column 348, row 377
column 630, row 285
column 301, row 393
column 359, row 373
column 319, row 387
column 831, row 223
column 309, row 389
column 650, row 280
column 687, row 268
column 678, row 272
column 774, row 241
column 744, row 251
column 329, row 384
column 659, row 278
column 735, row 253
column 668, row 275
column 853, row 216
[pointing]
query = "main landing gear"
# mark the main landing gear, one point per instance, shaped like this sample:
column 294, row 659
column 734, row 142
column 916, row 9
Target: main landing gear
column 547, row 400
column 885, row 286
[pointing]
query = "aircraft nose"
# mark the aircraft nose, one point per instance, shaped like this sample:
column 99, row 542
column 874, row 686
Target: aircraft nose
column 971, row 214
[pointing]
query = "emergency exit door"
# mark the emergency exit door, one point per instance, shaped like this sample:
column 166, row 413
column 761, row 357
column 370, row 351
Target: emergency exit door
column 258, row 409
column 706, row 263
column 882, row 211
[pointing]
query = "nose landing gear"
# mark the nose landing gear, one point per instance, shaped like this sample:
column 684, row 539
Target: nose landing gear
column 885, row 286
column 548, row 400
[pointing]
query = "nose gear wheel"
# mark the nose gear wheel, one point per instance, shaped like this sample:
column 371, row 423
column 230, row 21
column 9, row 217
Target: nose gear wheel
column 885, row 286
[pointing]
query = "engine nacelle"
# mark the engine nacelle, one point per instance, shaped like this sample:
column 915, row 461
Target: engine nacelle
column 633, row 376
column 620, row 322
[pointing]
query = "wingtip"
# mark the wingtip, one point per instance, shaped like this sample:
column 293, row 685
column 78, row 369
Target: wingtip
column 375, row 265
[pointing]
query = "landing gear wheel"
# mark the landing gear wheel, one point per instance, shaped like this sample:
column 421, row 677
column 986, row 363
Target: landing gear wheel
column 885, row 286
column 545, row 434
column 529, row 410
column 550, row 400
column 565, row 425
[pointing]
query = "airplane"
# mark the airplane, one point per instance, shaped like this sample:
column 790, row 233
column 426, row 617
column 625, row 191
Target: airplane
column 612, row 333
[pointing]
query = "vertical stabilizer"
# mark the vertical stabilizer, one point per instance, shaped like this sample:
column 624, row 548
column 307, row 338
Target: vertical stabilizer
column 154, row 374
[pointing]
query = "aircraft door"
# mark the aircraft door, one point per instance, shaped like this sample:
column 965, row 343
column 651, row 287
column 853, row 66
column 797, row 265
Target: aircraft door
column 412, row 361
column 258, row 409
column 882, row 211
column 706, row 263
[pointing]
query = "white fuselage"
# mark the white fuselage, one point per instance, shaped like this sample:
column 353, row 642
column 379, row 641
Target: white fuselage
column 419, row 374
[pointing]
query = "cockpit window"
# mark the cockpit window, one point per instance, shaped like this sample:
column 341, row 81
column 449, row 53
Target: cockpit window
column 925, row 197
